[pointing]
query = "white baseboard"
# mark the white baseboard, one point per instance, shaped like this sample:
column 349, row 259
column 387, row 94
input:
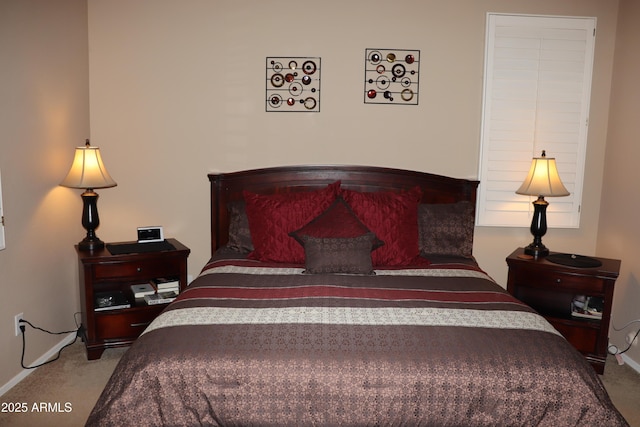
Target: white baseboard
column 632, row 363
column 25, row 372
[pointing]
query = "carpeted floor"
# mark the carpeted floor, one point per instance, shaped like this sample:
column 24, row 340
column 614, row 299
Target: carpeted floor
column 72, row 379
column 623, row 385
column 71, row 386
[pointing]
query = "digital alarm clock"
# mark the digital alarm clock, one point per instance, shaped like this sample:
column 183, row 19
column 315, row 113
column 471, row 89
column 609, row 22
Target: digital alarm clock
column 150, row 234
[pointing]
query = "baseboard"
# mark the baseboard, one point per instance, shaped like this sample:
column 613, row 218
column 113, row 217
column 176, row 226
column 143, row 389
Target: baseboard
column 25, row 372
column 632, row 363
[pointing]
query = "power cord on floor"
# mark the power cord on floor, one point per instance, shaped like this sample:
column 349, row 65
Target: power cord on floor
column 22, row 323
column 613, row 349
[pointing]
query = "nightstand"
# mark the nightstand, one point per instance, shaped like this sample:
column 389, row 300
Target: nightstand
column 550, row 288
column 101, row 271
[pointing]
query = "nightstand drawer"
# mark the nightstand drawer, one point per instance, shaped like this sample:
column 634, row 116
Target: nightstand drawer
column 565, row 282
column 545, row 301
column 143, row 268
column 584, row 339
column 125, row 324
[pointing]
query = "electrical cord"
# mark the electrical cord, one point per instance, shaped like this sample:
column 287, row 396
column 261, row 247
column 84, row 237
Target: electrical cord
column 627, row 325
column 614, row 350
column 24, row 344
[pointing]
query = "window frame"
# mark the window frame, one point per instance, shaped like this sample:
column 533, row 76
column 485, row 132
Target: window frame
column 518, row 113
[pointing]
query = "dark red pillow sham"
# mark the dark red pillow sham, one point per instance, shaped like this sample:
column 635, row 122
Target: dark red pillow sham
column 393, row 217
column 338, row 221
column 273, row 217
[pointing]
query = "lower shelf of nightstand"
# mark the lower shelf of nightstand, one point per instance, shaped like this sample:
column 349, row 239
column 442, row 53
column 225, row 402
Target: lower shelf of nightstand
column 119, row 328
column 583, row 335
column 94, row 351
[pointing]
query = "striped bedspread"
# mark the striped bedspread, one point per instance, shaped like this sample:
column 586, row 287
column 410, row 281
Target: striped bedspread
column 260, row 344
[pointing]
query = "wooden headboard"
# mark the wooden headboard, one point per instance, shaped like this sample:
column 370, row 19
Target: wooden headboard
column 226, row 187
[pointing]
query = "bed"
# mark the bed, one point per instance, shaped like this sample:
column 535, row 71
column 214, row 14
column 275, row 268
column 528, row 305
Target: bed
column 348, row 295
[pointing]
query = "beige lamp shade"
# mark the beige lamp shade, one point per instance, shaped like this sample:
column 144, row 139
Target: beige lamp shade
column 88, row 170
column 543, row 179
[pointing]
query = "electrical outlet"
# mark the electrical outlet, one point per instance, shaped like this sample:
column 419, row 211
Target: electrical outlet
column 632, row 336
column 17, row 319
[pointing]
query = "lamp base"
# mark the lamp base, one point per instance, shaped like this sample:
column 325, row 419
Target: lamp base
column 90, row 221
column 538, row 229
column 88, row 244
column 536, row 250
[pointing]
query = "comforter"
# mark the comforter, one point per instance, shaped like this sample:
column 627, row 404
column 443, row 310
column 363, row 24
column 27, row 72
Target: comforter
column 250, row 343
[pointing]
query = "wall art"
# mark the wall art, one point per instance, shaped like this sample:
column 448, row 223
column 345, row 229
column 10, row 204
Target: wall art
column 293, row 84
column 391, row 76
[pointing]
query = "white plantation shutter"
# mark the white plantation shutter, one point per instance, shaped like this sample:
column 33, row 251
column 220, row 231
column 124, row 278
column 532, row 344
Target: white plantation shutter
column 536, row 97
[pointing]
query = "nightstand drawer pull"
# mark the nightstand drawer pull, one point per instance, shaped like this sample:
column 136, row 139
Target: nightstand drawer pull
column 139, row 269
column 137, row 325
column 558, row 280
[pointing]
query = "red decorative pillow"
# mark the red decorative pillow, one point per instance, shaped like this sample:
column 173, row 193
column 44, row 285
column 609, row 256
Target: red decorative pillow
column 273, row 217
column 393, row 217
column 338, row 221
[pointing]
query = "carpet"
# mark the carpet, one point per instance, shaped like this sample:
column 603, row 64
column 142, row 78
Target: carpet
column 61, row 393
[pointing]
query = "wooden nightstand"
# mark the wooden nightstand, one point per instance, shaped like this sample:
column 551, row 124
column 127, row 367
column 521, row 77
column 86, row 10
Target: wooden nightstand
column 550, row 288
column 102, row 271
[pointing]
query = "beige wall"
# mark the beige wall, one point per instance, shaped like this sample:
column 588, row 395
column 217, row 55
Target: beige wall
column 176, row 91
column 44, row 113
column 619, row 230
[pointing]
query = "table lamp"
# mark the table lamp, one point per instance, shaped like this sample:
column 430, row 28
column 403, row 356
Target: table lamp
column 88, row 172
column 543, row 180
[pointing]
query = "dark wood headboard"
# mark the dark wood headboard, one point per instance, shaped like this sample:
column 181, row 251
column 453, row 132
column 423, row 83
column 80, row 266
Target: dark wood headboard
column 226, row 187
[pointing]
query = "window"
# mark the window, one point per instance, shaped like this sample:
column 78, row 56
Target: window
column 536, row 97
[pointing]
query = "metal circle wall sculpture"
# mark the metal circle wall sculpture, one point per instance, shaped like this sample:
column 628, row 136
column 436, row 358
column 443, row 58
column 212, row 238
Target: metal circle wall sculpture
column 391, row 76
column 293, row 84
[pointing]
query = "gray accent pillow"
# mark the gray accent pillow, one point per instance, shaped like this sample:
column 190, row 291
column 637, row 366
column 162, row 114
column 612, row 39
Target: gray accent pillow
column 446, row 229
column 347, row 255
column 239, row 233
